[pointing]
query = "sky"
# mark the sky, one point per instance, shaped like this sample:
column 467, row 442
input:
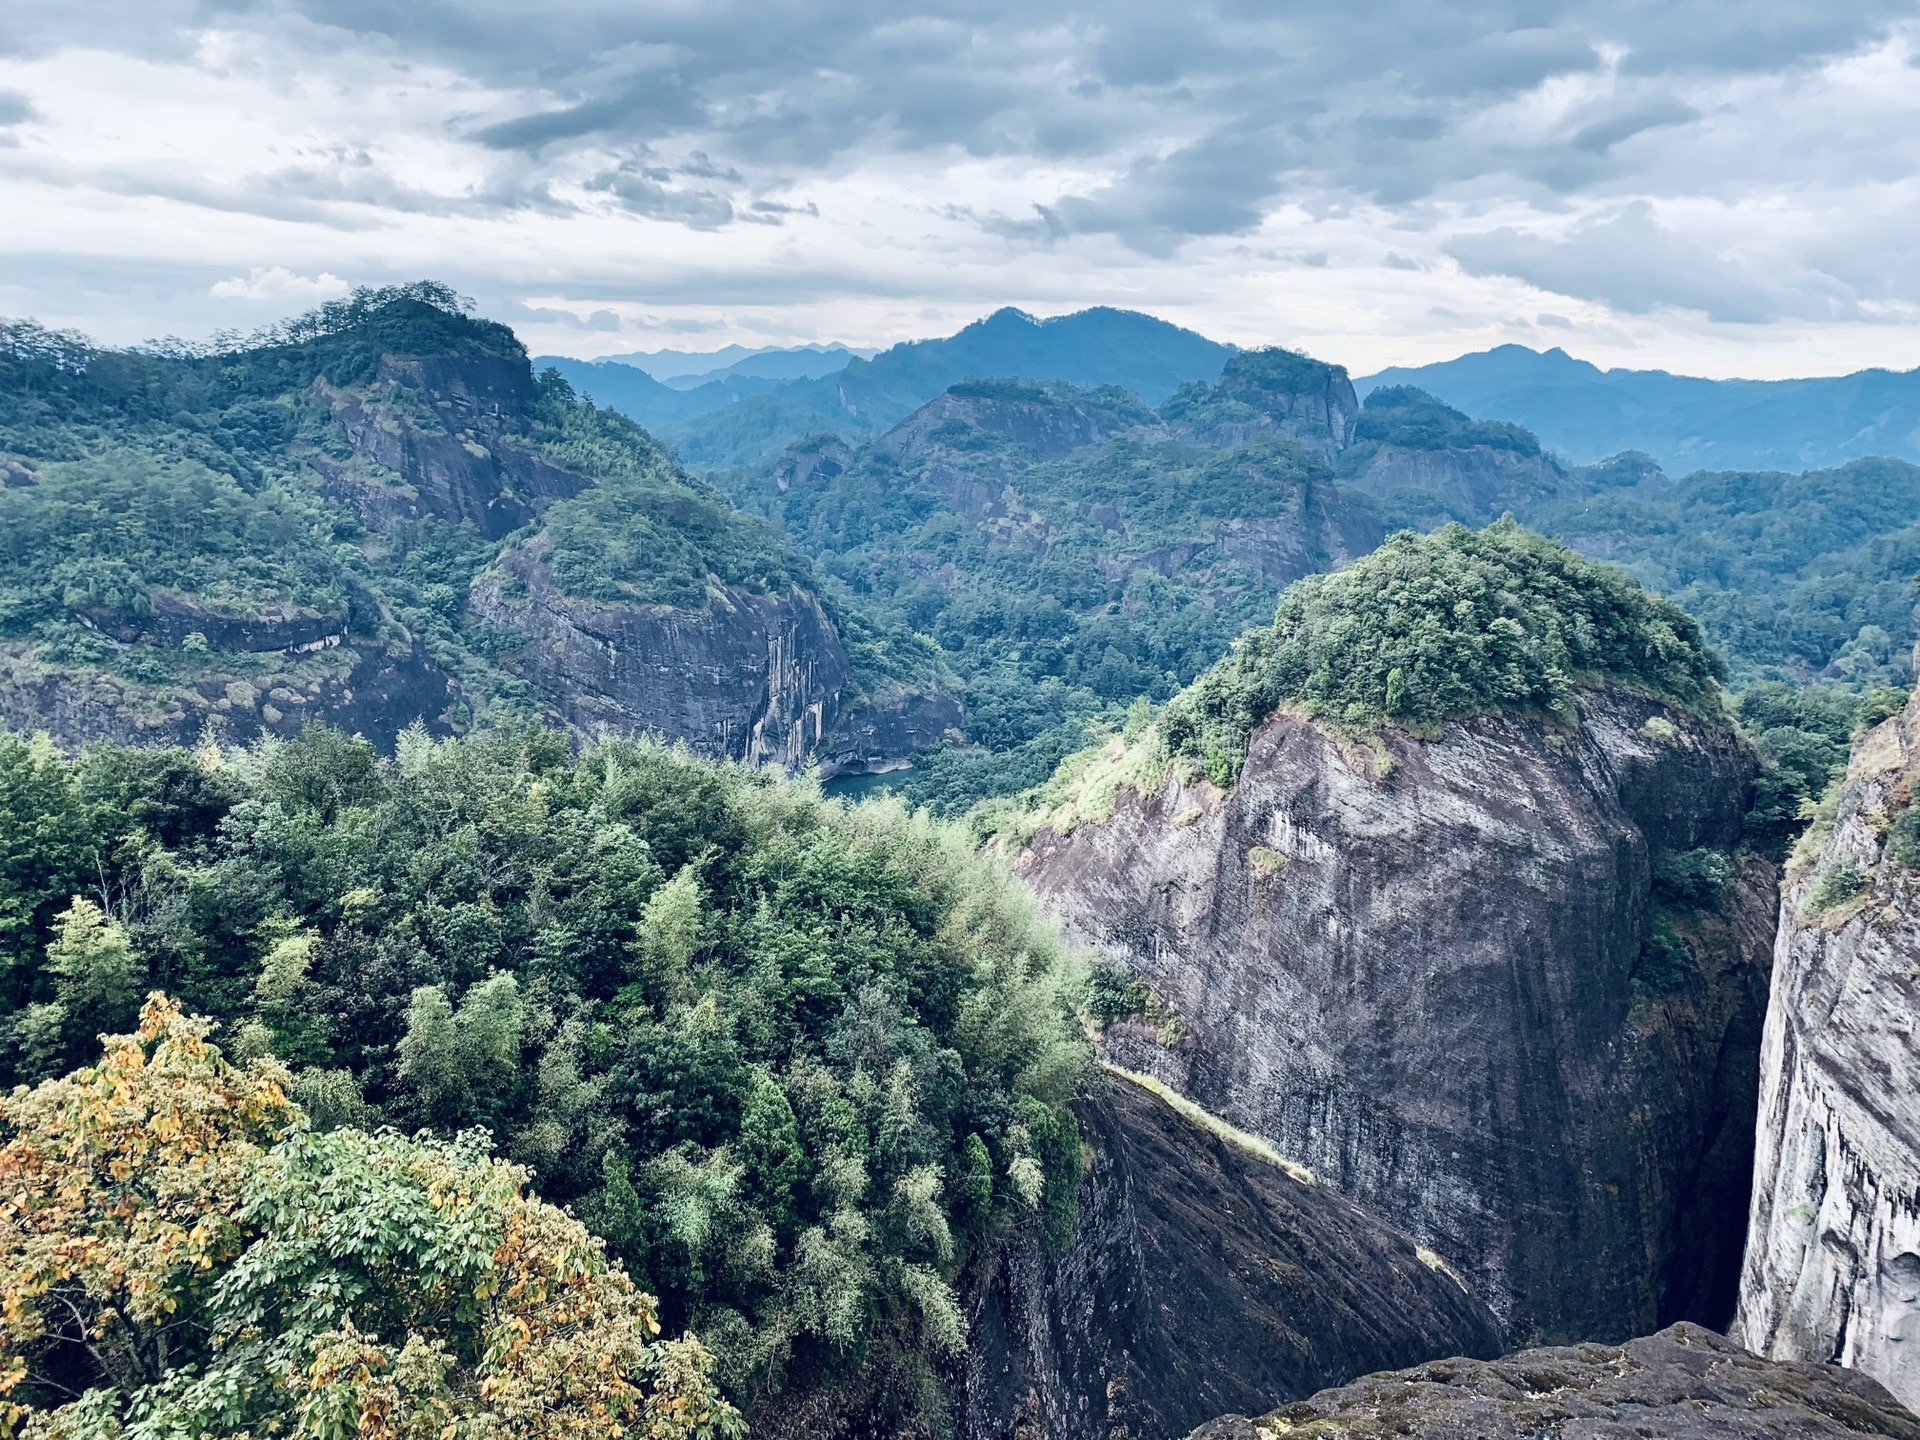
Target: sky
column 1713, row 188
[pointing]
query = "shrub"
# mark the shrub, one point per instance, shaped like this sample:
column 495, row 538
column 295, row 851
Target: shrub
column 1692, row 877
column 1836, row 886
column 1903, row 839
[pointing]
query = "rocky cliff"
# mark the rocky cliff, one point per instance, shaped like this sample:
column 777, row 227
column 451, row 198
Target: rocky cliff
column 1434, row 971
column 1684, row 1383
column 749, row 677
column 1269, row 392
column 1200, row 1277
column 1833, row 1248
column 1467, row 482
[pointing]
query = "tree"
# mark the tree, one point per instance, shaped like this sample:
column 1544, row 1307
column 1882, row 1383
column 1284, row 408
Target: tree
column 97, row 977
column 182, row 1256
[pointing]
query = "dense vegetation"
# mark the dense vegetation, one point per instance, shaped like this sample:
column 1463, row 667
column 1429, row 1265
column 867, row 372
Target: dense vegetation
column 1794, row 577
column 1428, row 628
column 181, row 1256
column 795, row 1062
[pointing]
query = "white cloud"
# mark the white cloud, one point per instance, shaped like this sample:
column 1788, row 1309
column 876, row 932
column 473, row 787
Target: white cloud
column 1716, row 188
column 276, row 282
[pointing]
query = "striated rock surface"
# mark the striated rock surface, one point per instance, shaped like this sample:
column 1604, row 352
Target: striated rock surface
column 1413, row 969
column 1684, row 1383
column 882, row 731
column 1833, row 1247
column 1269, row 392
column 1471, row 482
column 749, row 677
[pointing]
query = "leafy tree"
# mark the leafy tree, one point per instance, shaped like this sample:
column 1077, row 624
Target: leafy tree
column 182, row 1256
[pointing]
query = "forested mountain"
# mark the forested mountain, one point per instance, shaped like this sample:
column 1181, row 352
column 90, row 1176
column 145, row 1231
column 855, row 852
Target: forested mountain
column 1684, row 422
column 375, row 515
column 739, row 419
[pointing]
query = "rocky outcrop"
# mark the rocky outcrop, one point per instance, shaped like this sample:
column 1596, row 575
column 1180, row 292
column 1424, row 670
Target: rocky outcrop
column 755, row 677
column 1262, row 393
column 882, row 731
column 1412, row 967
column 360, row 689
column 1462, row 482
column 1200, row 1278
column 1833, row 1247
column 447, row 433
column 172, row 619
column 1685, row 1383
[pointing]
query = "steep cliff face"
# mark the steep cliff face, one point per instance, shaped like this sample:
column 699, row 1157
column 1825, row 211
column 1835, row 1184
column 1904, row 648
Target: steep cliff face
column 1413, row 968
column 1685, row 1383
column 447, row 430
column 1833, row 1247
column 1199, row 1277
column 749, row 677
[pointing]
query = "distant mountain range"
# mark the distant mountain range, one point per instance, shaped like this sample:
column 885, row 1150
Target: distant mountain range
column 684, row 369
column 739, row 418
column 1586, row 413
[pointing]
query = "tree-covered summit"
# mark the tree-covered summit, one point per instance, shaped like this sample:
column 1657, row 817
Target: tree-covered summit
column 1430, row 628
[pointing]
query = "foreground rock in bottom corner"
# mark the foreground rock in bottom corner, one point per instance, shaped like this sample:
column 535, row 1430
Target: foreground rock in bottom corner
column 1684, row 1383
column 1199, row 1278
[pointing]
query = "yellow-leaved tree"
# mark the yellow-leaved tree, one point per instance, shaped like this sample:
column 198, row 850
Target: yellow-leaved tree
column 181, row 1257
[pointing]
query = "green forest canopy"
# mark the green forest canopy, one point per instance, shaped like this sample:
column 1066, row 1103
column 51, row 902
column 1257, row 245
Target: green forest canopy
column 794, row 1061
column 1432, row 627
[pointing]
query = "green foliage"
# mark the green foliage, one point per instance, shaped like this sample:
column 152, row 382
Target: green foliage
column 1114, row 993
column 1903, row 838
column 182, row 1257
column 1793, row 577
column 796, row 1061
column 1666, row 960
column 1455, row 623
column 1693, row 878
column 1803, row 734
column 1836, row 886
column 1110, row 579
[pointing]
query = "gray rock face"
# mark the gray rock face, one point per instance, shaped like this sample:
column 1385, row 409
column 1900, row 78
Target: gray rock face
column 1412, row 969
column 1199, row 1279
column 881, row 732
column 1833, row 1247
column 750, row 677
column 1685, row 1383
column 445, row 429
column 1472, row 482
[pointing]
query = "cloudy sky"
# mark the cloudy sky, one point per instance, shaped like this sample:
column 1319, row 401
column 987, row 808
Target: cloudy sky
column 1699, row 185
